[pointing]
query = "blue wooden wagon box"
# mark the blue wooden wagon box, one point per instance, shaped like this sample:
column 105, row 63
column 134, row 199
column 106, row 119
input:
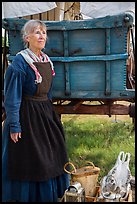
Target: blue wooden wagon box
column 89, row 57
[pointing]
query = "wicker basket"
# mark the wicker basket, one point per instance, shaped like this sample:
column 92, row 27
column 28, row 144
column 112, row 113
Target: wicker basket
column 87, row 176
column 91, row 198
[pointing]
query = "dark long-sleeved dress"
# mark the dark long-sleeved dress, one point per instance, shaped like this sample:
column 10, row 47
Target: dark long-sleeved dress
column 32, row 168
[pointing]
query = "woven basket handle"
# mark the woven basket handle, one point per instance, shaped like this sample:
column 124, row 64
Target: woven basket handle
column 73, row 170
column 91, row 163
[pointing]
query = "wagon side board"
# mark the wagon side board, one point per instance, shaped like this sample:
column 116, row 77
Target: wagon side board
column 90, row 61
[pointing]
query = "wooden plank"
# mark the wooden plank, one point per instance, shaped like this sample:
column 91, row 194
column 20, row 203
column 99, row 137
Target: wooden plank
column 115, row 109
column 75, row 104
column 86, row 58
column 67, row 77
column 89, row 58
column 51, row 15
column 107, row 79
column 130, row 196
column 44, row 16
column 35, row 16
column 104, row 22
column 108, row 67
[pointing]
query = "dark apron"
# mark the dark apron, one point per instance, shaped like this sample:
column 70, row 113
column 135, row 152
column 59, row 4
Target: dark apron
column 41, row 152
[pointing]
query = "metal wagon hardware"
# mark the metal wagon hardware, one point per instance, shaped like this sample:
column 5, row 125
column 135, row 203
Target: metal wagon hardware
column 90, row 59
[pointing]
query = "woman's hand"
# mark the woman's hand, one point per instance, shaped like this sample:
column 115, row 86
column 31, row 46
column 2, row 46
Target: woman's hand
column 15, row 136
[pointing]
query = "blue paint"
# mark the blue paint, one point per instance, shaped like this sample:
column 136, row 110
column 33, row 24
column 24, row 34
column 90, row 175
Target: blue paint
column 89, row 56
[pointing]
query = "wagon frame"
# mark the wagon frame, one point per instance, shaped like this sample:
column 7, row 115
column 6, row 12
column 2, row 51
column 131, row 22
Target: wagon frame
column 72, row 100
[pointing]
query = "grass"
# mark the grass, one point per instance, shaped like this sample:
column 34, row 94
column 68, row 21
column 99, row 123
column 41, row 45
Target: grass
column 99, row 139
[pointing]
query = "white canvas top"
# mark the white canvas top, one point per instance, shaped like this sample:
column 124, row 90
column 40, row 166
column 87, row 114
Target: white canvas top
column 19, row 9
column 102, row 9
column 88, row 9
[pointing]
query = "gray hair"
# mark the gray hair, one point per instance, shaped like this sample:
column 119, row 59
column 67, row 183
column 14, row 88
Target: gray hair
column 29, row 27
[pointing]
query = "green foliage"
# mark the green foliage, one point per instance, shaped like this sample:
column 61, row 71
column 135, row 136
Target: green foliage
column 99, row 141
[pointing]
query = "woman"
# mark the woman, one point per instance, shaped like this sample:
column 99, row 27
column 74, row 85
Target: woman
column 33, row 150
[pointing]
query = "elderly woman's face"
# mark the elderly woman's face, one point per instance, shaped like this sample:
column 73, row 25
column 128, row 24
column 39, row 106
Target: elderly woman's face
column 37, row 39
